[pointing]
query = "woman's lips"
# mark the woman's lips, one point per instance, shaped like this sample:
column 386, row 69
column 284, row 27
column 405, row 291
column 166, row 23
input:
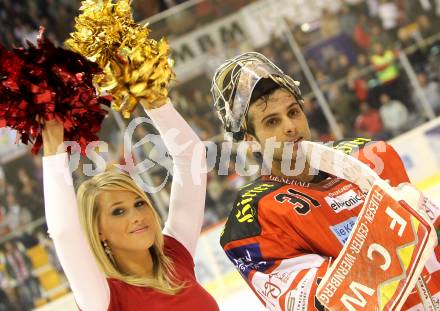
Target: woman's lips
column 140, row 230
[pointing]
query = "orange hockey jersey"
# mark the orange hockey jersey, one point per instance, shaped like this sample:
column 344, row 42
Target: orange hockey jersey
column 282, row 234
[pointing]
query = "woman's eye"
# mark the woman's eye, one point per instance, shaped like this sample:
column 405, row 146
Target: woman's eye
column 139, row 204
column 118, row 211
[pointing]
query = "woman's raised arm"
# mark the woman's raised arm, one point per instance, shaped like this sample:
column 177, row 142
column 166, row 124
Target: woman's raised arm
column 88, row 283
column 187, row 200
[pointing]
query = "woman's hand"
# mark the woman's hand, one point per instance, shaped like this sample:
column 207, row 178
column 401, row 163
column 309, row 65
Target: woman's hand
column 53, row 136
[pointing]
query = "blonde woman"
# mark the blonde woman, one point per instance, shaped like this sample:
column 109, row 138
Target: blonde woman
column 109, row 238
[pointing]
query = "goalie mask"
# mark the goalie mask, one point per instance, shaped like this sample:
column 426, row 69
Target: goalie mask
column 234, row 88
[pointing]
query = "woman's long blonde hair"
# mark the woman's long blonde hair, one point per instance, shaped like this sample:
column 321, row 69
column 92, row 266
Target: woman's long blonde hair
column 163, row 279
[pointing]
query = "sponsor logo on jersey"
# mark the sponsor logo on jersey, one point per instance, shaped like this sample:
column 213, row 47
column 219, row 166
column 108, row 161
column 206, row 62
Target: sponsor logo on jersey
column 345, row 201
column 247, row 258
column 331, row 182
column 289, row 181
column 271, row 287
column 244, row 208
column 343, row 229
column 243, row 222
column 341, row 190
column 352, row 146
column 298, row 298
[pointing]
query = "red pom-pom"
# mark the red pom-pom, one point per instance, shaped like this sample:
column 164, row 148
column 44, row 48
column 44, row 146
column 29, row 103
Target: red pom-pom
column 43, row 82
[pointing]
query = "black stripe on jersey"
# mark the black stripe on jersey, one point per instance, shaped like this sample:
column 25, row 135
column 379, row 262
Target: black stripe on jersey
column 243, row 222
column 318, row 305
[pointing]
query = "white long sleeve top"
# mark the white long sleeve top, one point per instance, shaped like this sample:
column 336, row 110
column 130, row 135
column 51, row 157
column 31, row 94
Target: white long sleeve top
column 185, row 217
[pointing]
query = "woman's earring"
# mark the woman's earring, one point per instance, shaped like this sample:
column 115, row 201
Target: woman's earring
column 107, row 248
column 108, row 251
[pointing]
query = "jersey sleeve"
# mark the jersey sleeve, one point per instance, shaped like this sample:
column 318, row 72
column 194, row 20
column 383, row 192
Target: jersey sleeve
column 292, row 285
column 384, row 160
column 187, row 199
column 88, row 283
column 280, row 284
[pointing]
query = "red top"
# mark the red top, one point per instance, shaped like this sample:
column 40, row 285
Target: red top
column 361, row 89
column 361, row 37
column 369, row 122
column 125, row 297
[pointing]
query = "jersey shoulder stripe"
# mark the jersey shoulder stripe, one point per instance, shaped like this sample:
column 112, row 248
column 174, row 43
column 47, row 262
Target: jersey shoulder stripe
column 350, row 146
column 243, row 222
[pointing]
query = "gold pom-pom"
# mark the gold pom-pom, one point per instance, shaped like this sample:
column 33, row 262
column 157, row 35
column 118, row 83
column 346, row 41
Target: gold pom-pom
column 136, row 68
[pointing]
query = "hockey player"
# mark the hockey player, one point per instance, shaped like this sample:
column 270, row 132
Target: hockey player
column 283, row 231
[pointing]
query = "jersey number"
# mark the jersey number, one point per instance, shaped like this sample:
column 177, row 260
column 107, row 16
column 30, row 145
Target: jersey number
column 300, row 201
